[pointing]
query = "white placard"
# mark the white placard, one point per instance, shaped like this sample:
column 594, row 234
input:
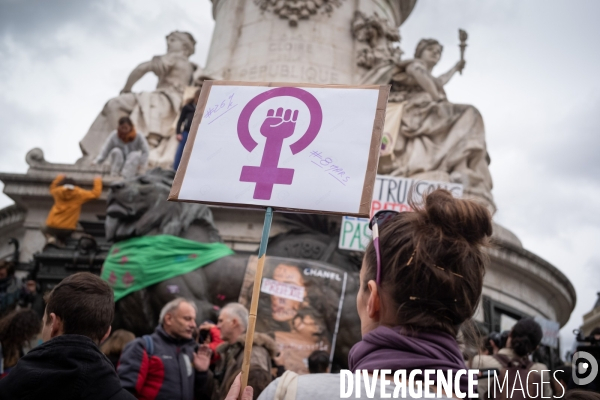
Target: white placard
column 300, row 148
column 391, row 193
column 282, row 289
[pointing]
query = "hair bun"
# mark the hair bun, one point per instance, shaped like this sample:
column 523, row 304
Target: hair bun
column 460, row 217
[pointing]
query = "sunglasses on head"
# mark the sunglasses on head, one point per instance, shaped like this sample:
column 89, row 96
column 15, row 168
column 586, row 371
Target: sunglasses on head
column 380, row 218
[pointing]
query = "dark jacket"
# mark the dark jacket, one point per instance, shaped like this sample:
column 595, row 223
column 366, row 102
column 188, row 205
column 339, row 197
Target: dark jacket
column 65, row 367
column 184, row 124
column 167, row 373
column 264, row 349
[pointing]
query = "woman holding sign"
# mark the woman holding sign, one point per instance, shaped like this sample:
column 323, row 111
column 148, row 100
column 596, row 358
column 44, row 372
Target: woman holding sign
column 421, row 280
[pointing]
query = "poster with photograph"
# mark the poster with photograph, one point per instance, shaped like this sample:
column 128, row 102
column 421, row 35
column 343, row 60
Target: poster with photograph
column 300, row 305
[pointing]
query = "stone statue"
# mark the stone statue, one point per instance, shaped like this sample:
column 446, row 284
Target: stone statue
column 137, row 207
column 294, row 10
column 437, row 139
column 152, row 113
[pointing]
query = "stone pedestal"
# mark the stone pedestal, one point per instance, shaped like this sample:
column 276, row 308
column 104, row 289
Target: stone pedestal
column 253, row 41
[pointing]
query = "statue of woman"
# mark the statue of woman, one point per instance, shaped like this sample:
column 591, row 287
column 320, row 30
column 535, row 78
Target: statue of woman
column 153, row 113
column 437, row 139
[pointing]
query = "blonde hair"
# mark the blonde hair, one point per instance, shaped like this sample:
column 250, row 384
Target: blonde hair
column 116, row 342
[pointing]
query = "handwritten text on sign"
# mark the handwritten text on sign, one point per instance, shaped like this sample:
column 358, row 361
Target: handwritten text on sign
column 391, row 193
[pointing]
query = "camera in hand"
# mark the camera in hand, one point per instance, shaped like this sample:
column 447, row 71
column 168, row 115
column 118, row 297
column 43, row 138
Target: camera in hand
column 203, row 334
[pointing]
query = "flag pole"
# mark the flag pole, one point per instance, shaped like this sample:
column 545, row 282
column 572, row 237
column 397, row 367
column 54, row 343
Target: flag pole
column 262, row 249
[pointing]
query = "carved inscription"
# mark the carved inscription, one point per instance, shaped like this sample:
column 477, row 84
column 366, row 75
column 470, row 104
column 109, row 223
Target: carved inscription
column 285, row 71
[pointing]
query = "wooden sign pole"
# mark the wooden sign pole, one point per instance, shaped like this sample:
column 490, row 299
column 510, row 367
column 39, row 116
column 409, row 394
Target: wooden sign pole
column 262, row 250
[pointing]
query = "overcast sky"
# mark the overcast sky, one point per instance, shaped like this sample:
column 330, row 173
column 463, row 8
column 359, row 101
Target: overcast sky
column 532, row 71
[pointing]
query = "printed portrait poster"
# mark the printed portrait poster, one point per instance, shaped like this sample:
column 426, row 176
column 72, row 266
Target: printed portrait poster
column 292, row 147
column 299, row 304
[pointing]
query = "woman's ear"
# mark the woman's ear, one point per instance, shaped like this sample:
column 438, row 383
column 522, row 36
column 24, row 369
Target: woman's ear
column 373, row 303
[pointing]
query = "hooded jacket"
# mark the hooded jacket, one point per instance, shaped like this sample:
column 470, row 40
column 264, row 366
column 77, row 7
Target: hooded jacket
column 165, row 372
column 68, row 201
column 487, row 362
column 264, row 349
column 139, row 143
column 67, row 367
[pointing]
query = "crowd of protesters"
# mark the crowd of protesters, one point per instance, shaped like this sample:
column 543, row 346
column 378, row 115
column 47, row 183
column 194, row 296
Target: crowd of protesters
column 420, row 285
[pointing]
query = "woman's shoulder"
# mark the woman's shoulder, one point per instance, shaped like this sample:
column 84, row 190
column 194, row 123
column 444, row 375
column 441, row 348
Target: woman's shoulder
column 323, row 386
column 308, row 387
column 485, row 361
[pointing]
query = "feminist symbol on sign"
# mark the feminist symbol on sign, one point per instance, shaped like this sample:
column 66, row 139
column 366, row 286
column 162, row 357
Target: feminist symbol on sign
column 276, row 127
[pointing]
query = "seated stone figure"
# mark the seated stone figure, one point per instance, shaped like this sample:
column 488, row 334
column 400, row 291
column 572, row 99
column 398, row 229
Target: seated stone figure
column 153, row 113
column 126, row 149
column 437, row 139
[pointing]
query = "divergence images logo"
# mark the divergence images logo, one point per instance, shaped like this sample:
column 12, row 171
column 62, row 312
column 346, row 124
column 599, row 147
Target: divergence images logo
column 590, row 364
column 276, row 127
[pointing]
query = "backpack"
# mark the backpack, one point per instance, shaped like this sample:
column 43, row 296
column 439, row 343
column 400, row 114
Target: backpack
column 520, row 384
column 148, row 345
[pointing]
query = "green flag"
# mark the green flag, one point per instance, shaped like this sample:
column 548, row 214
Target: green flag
column 134, row 264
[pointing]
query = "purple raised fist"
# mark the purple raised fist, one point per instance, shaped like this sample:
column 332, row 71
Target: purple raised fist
column 280, row 124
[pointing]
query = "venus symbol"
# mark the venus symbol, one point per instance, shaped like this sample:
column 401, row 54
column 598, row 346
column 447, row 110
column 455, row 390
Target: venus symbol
column 277, row 126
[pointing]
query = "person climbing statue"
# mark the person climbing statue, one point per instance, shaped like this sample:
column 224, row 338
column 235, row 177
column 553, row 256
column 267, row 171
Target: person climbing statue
column 64, row 214
column 126, row 149
column 184, row 124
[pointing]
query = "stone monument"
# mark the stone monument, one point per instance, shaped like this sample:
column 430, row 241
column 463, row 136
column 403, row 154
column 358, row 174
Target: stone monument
column 358, row 42
column 153, row 113
column 346, row 42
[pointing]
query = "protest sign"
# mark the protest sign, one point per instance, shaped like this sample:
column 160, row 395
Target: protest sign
column 294, row 147
column 299, row 304
column 550, row 331
column 290, row 147
column 390, row 193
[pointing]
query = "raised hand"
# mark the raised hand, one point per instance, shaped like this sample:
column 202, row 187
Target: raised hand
column 280, row 124
column 202, row 358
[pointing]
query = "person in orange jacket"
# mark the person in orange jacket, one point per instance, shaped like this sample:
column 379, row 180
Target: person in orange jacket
column 68, row 199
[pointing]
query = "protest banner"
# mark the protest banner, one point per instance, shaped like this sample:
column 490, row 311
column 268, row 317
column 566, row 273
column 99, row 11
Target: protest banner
column 283, row 146
column 550, row 331
column 299, row 305
column 390, row 193
column 308, row 148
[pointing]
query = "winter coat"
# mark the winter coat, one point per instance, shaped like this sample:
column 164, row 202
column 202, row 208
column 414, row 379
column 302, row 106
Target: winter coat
column 67, row 367
column 164, row 372
column 139, row 143
column 264, row 349
column 68, row 201
column 184, row 124
column 485, row 362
